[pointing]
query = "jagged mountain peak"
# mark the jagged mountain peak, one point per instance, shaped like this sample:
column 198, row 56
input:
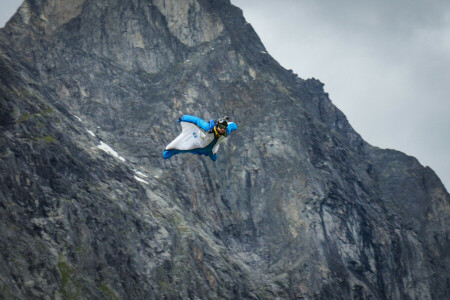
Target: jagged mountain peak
column 181, row 16
column 157, row 33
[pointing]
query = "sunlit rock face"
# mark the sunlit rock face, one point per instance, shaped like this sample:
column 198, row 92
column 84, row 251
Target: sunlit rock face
column 297, row 206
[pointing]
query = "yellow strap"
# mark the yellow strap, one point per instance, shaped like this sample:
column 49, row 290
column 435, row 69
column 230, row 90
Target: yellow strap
column 216, row 133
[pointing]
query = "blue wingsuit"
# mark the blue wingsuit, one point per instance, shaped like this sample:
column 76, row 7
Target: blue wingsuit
column 198, row 137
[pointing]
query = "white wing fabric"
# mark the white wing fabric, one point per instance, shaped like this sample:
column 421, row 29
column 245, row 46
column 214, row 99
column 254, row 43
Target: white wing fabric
column 191, row 137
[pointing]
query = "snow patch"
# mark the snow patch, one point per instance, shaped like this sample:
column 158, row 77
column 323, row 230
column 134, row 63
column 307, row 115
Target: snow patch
column 78, row 118
column 110, row 150
column 140, row 174
column 90, row 132
column 140, row 179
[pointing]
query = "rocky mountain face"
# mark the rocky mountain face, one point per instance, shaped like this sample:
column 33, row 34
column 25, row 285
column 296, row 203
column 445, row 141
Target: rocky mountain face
column 298, row 205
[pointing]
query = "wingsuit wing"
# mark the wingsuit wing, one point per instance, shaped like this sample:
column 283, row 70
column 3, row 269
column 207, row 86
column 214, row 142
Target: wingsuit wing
column 191, row 137
column 231, row 127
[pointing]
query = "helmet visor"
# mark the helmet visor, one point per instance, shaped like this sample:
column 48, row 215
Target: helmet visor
column 222, row 126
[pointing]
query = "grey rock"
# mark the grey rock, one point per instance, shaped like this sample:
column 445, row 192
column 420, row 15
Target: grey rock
column 298, row 206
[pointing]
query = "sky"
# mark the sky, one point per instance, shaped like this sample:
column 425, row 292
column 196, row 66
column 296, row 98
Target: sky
column 385, row 64
column 7, row 9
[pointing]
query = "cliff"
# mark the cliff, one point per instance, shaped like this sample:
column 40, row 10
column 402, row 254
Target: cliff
column 298, row 205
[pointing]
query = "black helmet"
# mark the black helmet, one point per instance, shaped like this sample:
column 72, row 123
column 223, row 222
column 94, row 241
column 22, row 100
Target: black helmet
column 222, row 123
